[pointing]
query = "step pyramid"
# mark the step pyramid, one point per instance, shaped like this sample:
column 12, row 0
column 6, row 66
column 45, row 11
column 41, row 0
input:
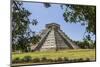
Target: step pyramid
column 54, row 38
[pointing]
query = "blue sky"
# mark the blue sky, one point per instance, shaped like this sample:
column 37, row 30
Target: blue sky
column 53, row 14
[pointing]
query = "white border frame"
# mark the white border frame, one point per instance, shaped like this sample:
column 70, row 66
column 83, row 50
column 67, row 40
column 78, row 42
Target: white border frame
column 5, row 32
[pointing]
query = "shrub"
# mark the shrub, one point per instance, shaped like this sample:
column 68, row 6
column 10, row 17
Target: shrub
column 44, row 59
column 59, row 59
column 87, row 59
column 75, row 60
column 16, row 60
column 66, row 59
column 80, row 60
column 50, row 60
column 55, row 60
column 36, row 60
column 27, row 59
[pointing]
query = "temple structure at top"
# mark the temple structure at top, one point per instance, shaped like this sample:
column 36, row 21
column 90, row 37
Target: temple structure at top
column 52, row 37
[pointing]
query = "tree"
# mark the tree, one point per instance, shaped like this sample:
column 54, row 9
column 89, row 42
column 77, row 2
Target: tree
column 21, row 32
column 85, row 44
column 36, row 39
column 86, row 15
column 47, row 5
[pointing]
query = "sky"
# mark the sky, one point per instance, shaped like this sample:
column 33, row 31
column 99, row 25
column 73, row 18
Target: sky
column 53, row 14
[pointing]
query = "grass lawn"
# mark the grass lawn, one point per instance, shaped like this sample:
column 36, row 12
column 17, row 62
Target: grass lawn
column 71, row 54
